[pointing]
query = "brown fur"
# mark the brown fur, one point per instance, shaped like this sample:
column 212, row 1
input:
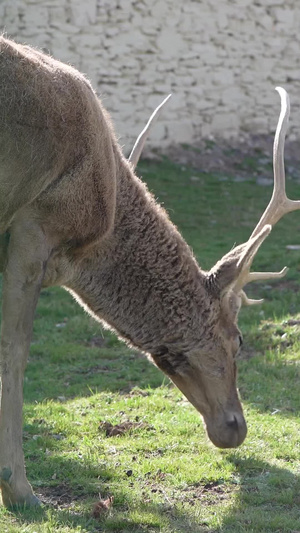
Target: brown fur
column 78, row 217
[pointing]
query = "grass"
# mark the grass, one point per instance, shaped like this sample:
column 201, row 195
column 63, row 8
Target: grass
column 163, row 472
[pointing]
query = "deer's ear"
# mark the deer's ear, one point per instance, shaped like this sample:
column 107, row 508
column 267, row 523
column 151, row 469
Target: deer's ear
column 229, row 271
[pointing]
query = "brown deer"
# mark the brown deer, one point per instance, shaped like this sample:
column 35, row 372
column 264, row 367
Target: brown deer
column 74, row 214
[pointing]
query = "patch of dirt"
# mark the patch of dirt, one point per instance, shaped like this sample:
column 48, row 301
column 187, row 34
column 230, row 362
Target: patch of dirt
column 60, row 496
column 120, row 429
column 159, row 452
column 211, row 493
column 91, row 370
column 136, row 391
column 158, row 475
column 291, row 322
column 272, row 336
column 286, row 285
column 249, row 156
column 99, row 342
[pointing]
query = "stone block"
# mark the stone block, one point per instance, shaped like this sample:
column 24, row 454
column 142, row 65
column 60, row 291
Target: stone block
column 87, row 41
column 266, row 21
column 232, row 96
column 36, row 15
column 56, row 14
column 225, row 124
column 284, row 16
column 221, row 60
column 256, row 124
column 180, row 131
column 223, row 76
column 83, row 13
column 170, row 43
column 160, row 9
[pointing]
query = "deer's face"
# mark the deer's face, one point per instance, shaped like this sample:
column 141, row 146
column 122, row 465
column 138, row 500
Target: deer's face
column 205, row 370
column 206, row 374
column 209, row 378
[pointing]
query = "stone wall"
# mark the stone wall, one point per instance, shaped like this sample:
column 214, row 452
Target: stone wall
column 220, row 59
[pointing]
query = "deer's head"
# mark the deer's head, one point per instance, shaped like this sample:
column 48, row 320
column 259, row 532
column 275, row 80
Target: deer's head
column 206, row 371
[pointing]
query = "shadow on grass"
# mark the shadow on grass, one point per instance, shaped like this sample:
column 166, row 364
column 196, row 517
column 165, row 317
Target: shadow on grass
column 270, row 388
column 96, row 370
column 269, row 372
column 153, row 518
column 65, row 504
column 268, row 498
column 267, row 379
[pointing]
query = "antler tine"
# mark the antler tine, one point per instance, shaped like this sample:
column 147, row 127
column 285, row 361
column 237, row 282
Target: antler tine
column 279, row 204
column 140, row 142
column 259, row 276
column 249, row 301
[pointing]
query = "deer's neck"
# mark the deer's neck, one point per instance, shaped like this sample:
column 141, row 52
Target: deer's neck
column 142, row 280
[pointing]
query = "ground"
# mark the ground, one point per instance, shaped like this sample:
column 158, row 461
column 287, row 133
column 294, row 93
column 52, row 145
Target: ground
column 251, row 157
column 101, row 421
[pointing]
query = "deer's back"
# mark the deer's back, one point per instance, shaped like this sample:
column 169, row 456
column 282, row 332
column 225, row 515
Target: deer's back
column 55, row 140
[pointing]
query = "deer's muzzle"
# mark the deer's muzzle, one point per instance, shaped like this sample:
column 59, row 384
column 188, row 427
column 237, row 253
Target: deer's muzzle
column 229, row 430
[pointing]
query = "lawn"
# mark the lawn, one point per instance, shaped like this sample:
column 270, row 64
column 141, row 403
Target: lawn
column 161, row 470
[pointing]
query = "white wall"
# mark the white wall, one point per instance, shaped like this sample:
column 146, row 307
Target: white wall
column 220, row 59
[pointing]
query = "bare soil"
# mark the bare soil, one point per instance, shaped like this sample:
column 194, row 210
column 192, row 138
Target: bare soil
column 247, row 157
column 58, row 496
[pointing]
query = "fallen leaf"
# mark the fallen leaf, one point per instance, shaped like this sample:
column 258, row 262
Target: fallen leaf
column 102, row 506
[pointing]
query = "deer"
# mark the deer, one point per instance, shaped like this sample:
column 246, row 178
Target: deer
column 74, row 214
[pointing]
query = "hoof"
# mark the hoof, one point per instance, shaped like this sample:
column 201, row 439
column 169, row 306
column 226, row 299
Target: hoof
column 16, row 495
column 34, row 501
column 29, row 501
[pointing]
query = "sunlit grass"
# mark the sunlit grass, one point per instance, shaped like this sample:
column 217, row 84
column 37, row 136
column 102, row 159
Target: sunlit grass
column 164, row 474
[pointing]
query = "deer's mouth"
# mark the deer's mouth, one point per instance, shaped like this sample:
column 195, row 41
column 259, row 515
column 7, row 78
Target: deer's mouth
column 228, row 430
column 226, row 426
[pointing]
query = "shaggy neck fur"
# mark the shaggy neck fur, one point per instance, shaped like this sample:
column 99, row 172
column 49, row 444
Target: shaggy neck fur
column 143, row 280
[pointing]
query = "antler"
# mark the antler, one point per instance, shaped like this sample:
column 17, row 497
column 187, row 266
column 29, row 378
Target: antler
column 140, row 142
column 279, row 204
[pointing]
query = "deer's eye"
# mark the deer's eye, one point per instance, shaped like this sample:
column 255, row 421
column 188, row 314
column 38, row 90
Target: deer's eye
column 237, row 345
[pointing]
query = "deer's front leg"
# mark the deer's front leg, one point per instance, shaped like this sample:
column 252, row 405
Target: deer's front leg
column 4, row 240
column 24, row 270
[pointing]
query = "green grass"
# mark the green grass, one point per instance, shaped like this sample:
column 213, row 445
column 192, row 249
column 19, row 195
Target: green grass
column 164, row 474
